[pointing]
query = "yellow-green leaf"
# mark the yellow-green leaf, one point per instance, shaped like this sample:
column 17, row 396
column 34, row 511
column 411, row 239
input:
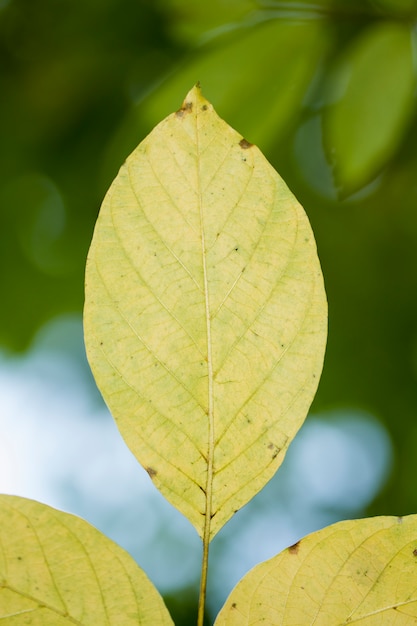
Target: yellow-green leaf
column 355, row 572
column 205, row 314
column 57, row 570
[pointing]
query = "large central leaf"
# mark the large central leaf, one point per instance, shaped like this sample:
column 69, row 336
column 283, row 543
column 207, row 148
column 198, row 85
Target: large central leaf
column 205, row 315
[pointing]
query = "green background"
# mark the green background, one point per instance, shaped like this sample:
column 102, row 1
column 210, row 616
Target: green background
column 327, row 90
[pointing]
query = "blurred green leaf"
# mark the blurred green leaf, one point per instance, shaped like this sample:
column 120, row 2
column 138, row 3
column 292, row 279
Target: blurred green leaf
column 371, row 96
column 257, row 76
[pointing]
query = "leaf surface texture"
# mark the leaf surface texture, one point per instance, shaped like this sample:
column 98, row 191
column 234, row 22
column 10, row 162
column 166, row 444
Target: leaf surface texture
column 57, row 570
column 360, row 572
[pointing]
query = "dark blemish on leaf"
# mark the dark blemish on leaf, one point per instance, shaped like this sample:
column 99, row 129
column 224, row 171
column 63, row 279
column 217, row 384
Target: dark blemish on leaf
column 275, row 449
column 415, row 552
column 213, row 514
column 237, row 248
column 294, row 548
column 204, row 107
column 234, row 605
column 202, row 489
column 187, row 107
column 151, row 471
column 245, row 144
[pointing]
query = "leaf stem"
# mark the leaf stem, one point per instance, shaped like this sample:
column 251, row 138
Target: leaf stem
column 203, row 583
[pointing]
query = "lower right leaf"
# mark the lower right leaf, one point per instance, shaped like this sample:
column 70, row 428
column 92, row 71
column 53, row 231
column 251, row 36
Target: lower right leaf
column 353, row 572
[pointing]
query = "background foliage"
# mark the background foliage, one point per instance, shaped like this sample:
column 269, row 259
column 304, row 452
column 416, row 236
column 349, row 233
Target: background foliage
column 328, row 91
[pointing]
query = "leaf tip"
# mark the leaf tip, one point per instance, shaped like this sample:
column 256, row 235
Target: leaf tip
column 193, row 100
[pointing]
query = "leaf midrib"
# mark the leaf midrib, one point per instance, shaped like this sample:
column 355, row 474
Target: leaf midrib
column 210, row 376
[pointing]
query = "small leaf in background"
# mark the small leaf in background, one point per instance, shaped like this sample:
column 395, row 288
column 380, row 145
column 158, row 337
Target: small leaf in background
column 353, row 572
column 55, row 569
column 205, row 315
column 371, row 100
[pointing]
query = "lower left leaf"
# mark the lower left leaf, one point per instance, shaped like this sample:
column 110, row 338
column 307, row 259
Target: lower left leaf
column 56, row 569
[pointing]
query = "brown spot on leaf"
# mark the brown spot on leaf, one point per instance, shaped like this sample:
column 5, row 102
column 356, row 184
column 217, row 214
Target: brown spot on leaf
column 245, row 144
column 151, row 471
column 234, row 605
column 275, row 450
column 187, row 107
column 415, row 552
column 204, row 107
column 294, row 548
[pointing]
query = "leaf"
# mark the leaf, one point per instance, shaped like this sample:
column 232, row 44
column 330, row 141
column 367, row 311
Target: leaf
column 353, row 572
column 56, row 569
column 373, row 92
column 205, row 314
